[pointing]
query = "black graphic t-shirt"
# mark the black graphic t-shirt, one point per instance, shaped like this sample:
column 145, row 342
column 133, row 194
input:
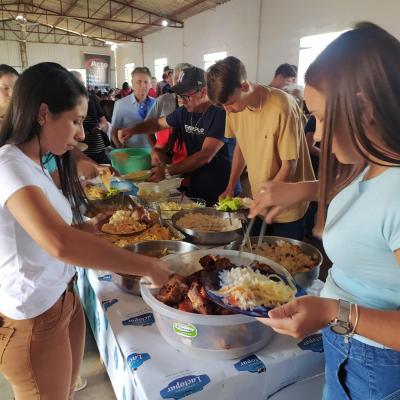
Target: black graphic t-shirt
column 210, row 180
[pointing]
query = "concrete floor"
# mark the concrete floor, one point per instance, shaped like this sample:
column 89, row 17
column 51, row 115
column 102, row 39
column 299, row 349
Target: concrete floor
column 98, row 385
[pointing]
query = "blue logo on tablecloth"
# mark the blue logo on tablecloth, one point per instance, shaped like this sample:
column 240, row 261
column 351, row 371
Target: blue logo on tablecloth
column 185, row 386
column 313, row 343
column 108, row 303
column 135, row 360
column 140, row 320
column 105, row 278
column 250, row 364
column 116, row 357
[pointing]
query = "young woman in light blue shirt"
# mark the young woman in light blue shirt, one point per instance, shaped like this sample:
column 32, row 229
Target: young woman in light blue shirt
column 353, row 90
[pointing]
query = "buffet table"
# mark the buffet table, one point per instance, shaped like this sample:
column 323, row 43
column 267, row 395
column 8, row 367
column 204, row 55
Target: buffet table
column 141, row 365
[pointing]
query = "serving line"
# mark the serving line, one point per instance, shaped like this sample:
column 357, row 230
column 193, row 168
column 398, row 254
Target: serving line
column 141, row 365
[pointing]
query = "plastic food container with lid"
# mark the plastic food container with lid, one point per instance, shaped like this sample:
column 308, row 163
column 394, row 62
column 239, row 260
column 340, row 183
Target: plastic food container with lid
column 209, row 336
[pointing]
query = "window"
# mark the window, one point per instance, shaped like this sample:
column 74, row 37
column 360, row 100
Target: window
column 159, row 64
column 212, row 58
column 128, row 70
column 310, row 47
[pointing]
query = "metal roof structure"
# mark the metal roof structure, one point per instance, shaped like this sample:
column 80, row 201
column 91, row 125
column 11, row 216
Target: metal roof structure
column 93, row 22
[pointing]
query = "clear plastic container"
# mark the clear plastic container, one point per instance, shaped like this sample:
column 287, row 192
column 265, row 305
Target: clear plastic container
column 151, row 191
column 176, row 203
column 208, row 336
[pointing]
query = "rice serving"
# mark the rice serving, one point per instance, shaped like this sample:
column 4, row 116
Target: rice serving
column 247, row 289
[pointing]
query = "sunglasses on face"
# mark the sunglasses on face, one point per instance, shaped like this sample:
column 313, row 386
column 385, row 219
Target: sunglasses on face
column 187, row 97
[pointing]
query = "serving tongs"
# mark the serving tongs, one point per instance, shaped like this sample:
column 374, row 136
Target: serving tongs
column 262, row 234
column 246, row 237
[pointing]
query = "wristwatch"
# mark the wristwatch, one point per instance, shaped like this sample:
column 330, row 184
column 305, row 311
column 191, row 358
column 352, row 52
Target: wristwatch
column 342, row 324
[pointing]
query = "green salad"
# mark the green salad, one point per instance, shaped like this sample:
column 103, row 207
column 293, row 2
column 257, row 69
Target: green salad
column 233, row 203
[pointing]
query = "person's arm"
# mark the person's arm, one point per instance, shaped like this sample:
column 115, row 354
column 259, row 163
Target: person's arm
column 308, row 314
column 148, row 127
column 86, row 166
column 312, row 148
column 114, row 138
column 116, row 123
column 208, row 151
column 276, row 196
column 238, row 164
column 103, row 123
column 286, row 171
column 41, row 221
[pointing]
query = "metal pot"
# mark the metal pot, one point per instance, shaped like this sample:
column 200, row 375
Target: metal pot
column 303, row 279
column 154, row 248
column 202, row 237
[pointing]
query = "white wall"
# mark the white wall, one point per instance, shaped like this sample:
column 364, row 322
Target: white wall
column 264, row 33
column 68, row 56
column 286, row 21
column 128, row 53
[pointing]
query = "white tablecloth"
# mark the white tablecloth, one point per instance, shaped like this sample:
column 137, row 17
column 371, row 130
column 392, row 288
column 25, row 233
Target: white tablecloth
column 141, row 365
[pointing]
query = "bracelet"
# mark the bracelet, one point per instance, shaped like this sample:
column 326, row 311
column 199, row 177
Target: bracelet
column 353, row 331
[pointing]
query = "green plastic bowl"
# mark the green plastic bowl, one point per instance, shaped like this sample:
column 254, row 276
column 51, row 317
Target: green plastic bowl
column 126, row 161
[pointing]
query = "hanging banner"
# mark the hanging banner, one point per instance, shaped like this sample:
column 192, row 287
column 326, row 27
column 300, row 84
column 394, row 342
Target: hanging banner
column 97, row 68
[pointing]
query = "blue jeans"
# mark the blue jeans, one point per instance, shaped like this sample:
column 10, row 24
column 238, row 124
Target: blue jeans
column 358, row 371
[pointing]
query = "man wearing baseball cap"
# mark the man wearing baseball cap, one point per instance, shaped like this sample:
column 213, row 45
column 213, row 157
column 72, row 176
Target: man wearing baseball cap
column 201, row 128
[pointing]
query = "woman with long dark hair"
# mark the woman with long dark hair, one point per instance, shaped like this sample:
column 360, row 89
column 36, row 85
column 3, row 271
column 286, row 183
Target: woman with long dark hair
column 42, row 324
column 353, row 90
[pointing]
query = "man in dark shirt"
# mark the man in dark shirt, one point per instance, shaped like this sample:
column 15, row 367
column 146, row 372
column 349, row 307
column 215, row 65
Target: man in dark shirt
column 202, row 126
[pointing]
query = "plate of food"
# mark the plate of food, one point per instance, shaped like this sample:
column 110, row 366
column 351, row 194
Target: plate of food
column 251, row 290
column 127, row 222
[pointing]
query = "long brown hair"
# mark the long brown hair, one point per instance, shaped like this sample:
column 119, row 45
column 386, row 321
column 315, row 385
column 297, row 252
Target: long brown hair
column 365, row 60
column 52, row 84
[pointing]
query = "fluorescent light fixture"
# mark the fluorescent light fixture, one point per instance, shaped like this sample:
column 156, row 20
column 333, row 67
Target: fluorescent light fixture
column 164, row 23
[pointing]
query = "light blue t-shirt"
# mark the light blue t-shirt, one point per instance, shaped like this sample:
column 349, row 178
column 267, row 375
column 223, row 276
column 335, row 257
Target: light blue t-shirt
column 126, row 114
column 361, row 234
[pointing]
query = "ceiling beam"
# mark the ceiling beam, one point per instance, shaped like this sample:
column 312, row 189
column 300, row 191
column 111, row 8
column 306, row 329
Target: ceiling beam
column 139, row 32
column 46, row 12
column 111, row 14
column 122, row 36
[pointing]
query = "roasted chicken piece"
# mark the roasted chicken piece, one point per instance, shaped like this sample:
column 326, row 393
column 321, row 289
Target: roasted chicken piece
column 211, row 263
column 174, row 291
column 262, row 267
column 198, row 296
column 186, row 305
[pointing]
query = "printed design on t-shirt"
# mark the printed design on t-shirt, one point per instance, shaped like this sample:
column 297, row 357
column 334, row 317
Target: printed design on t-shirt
column 194, row 130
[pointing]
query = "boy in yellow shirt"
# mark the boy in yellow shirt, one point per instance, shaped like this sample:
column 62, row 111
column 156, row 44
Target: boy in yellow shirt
column 268, row 126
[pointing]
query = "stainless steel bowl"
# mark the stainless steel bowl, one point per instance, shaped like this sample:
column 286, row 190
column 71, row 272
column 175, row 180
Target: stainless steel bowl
column 303, row 279
column 201, row 237
column 153, row 248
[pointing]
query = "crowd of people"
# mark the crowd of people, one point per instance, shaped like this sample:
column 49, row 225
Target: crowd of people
column 210, row 126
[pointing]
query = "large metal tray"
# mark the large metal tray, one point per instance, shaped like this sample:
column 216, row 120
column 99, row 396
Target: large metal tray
column 201, row 237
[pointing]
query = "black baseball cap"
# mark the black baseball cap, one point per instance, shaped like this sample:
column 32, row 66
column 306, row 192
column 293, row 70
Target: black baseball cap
column 191, row 78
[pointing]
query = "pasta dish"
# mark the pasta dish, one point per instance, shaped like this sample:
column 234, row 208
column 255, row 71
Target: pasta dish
column 208, row 223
